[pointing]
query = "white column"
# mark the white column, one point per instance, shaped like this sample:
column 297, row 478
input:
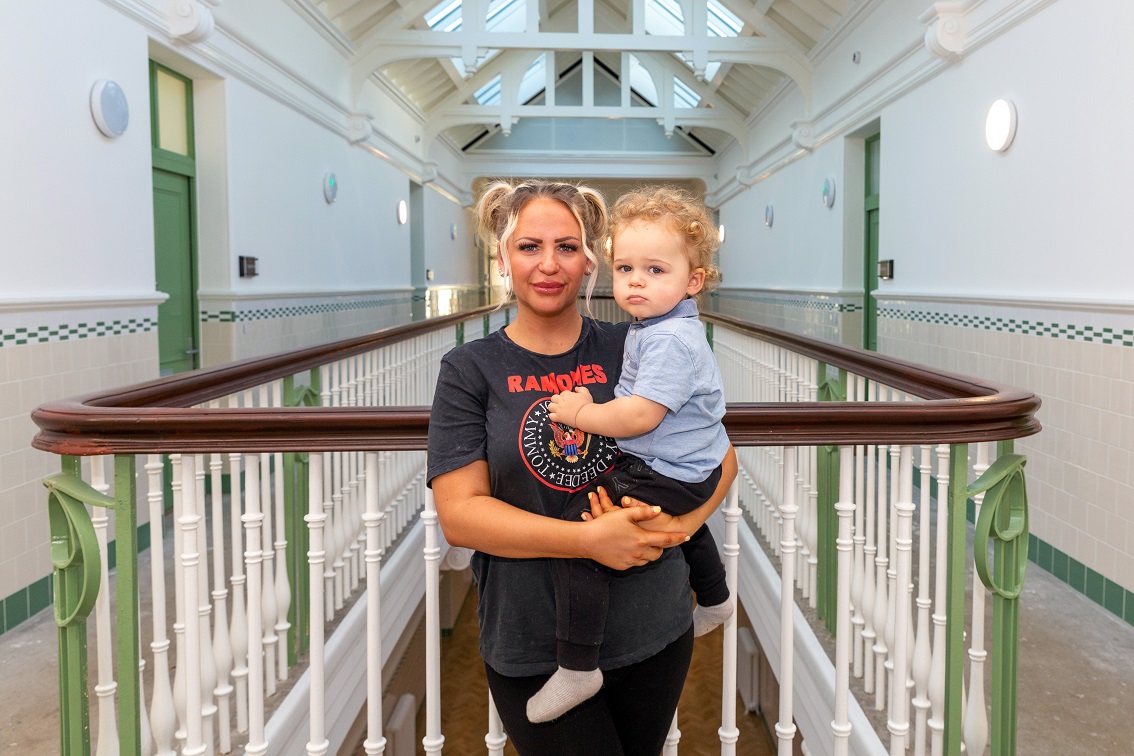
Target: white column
column 728, row 732
column 222, row 648
column 106, row 687
column 375, row 743
column 844, row 508
column 163, row 719
column 898, row 723
column 785, row 727
column 922, row 657
column 316, row 519
column 253, row 520
column 188, row 522
column 238, row 633
column 975, row 724
column 204, row 614
column 433, row 740
column 937, row 661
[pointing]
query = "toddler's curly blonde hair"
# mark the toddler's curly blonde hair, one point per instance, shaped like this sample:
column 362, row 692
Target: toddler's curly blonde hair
column 682, row 213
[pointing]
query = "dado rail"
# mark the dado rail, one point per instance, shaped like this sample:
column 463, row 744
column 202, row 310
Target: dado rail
column 294, row 490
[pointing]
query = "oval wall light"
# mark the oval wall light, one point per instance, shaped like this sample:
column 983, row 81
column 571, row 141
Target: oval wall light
column 829, row 192
column 109, row 108
column 769, row 215
column 720, row 234
column 1000, row 125
column 330, row 188
column 403, row 212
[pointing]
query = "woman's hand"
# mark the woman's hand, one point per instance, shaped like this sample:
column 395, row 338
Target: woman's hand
column 616, row 536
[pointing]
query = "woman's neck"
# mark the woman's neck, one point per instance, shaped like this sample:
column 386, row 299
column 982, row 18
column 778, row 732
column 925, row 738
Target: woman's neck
column 545, row 334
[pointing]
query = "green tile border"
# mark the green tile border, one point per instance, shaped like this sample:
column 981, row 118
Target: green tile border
column 33, row 599
column 1070, row 332
column 271, row 313
column 1102, row 590
column 69, row 332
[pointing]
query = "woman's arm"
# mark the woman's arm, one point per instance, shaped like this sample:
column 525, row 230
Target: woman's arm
column 686, row 523
column 470, row 516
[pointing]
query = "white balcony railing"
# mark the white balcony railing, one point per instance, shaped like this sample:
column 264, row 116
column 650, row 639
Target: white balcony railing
column 299, row 518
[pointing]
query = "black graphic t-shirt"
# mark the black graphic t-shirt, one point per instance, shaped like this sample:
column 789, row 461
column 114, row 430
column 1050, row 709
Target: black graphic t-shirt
column 491, row 404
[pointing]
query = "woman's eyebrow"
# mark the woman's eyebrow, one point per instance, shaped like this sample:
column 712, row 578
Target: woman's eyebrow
column 566, row 238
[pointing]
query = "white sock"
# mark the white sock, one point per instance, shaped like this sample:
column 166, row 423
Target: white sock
column 706, row 618
column 563, row 691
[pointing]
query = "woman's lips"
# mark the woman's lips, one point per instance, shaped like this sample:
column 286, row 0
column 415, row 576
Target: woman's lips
column 548, row 287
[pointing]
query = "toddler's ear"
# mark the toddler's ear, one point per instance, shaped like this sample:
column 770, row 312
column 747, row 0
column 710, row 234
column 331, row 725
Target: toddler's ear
column 696, row 281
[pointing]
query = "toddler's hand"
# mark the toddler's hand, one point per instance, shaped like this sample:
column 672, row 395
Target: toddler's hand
column 564, row 407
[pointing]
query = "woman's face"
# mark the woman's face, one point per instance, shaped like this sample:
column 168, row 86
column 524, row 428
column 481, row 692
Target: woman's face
column 547, row 259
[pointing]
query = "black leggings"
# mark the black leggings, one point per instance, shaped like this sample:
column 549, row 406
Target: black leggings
column 630, row 716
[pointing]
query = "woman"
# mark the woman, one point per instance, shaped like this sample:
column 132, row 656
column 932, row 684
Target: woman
column 501, row 474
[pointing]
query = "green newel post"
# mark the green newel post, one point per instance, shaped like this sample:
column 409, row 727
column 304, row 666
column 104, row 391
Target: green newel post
column 295, row 505
column 827, row 479
column 126, row 587
column 1003, row 520
column 77, row 572
column 955, row 561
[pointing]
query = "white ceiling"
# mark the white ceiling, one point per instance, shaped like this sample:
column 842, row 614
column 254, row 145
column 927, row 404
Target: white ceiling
column 440, row 72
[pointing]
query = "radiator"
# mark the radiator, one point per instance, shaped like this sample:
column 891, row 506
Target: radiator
column 401, row 727
column 748, row 668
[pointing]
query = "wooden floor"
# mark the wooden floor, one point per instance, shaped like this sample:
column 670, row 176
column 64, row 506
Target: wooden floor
column 464, row 696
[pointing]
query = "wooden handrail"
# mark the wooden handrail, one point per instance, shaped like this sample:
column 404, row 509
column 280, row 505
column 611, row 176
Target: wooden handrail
column 160, row 416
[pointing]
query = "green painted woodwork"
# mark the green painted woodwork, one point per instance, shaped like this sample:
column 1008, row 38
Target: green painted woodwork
column 460, row 336
column 709, row 334
column 77, row 572
column 295, row 526
column 831, row 389
column 870, row 256
column 126, row 607
column 175, row 266
column 175, row 272
column 487, row 325
column 1003, row 519
column 955, row 562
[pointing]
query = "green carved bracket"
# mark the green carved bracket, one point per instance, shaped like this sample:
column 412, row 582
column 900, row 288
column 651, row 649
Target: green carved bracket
column 302, row 396
column 1003, row 517
column 74, row 546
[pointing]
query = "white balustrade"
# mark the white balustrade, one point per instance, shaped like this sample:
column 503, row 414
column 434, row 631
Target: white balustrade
column 231, row 626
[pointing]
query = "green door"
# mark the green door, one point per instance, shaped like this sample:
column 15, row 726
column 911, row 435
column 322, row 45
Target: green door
column 870, row 278
column 173, row 261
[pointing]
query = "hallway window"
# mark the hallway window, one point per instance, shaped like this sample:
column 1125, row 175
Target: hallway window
column 172, row 112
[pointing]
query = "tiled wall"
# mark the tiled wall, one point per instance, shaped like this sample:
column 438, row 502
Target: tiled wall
column 46, row 355
column 1080, row 472
column 1078, row 359
column 828, row 317
column 234, row 330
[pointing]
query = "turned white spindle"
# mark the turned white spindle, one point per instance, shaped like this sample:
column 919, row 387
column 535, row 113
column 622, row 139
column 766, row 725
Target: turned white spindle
column 892, row 575
column 238, row 633
column 253, row 520
column 898, row 723
column 976, row 717
column 785, row 727
column 728, row 732
column 283, row 585
column 869, row 552
column 495, row 739
column 178, row 597
column 937, row 661
column 189, row 523
column 222, row 648
column 106, row 686
column 316, row 519
column 433, row 739
column 844, row 547
column 922, row 658
column 375, row 743
column 204, row 613
column 163, row 718
column 881, row 564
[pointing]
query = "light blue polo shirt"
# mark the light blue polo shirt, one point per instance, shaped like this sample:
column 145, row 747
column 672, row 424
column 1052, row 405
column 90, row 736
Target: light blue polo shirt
column 667, row 360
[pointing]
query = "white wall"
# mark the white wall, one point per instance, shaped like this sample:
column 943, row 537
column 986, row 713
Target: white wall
column 277, row 161
column 1046, row 218
column 803, row 247
column 452, row 260
column 76, row 214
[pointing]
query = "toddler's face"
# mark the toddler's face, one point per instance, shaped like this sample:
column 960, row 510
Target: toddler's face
column 651, row 269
